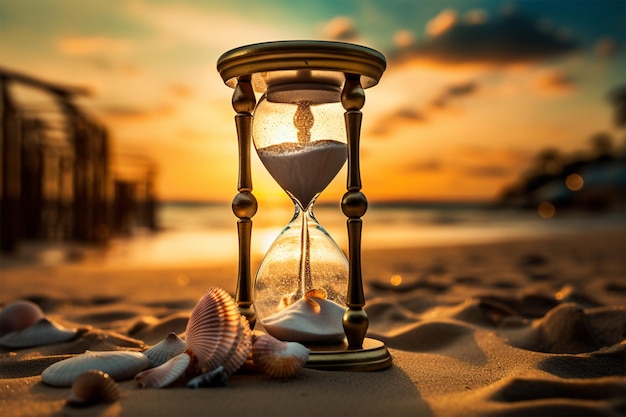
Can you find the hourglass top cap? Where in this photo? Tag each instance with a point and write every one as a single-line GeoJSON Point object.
{"type": "Point", "coordinates": [301, 61]}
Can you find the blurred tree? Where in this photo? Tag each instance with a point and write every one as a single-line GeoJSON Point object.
{"type": "Point", "coordinates": [548, 161]}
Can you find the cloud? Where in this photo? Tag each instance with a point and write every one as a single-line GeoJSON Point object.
{"type": "Point", "coordinates": [414, 114]}
{"type": "Point", "coordinates": [403, 39]}
{"type": "Point", "coordinates": [428, 165]}
{"type": "Point", "coordinates": [206, 27]}
{"type": "Point", "coordinates": [340, 28]}
{"type": "Point", "coordinates": [93, 45]}
{"type": "Point", "coordinates": [488, 170]}
{"type": "Point", "coordinates": [606, 47]}
{"type": "Point", "coordinates": [471, 161]}
{"type": "Point", "coordinates": [554, 82]}
{"type": "Point", "coordinates": [127, 113]}
{"type": "Point", "coordinates": [488, 162]}
{"type": "Point", "coordinates": [509, 38]}
{"type": "Point", "coordinates": [442, 22]}
{"type": "Point", "coordinates": [454, 91]}
{"type": "Point", "coordinates": [181, 90]}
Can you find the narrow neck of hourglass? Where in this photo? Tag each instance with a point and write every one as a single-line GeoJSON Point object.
{"type": "Point", "coordinates": [299, 206]}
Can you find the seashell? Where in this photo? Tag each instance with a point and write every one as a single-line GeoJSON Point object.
{"type": "Point", "coordinates": [165, 350]}
{"type": "Point", "coordinates": [93, 387]}
{"type": "Point", "coordinates": [119, 365]}
{"type": "Point", "coordinates": [240, 348]}
{"type": "Point", "coordinates": [278, 359]}
{"type": "Point", "coordinates": [164, 374]}
{"type": "Point", "coordinates": [218, 377]}
{"type": "Point", "coordinates": [19, 315]}
{"type": "Point", "coordinates": [213, 328]}
{"type": "Point", "coordinates": [316, 293]}
{"type": "Point", "coordinates": [43, 332]}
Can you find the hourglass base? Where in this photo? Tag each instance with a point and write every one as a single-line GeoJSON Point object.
{"type": "Point", "coordinates": [373, 356]}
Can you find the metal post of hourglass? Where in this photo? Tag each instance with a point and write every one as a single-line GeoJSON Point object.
{"type": "Point", "coordinates": [354, 205]}
{"type": "Point", "coordinates": [244, 204]}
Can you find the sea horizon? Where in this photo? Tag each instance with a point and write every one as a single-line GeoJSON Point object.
{"type": "Point", "coordinates": [205, 233]}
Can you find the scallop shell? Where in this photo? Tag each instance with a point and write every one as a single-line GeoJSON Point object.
{"type": "Point", "coordinates": [164, 374]}
{"type": "Point", "coordinates": [213, 328]}
{"type": "Point", "coordinates": [240, 348]}
{"type": "Point", "coordinates": [119, 365]}
{"type": "Point", "coordinates": [93, 387]}
{"type": "Point", "coordinates": [43, 332]}
{"type": "Point", "coordinates": [278, 359]}
{"type": "Point", "coordinates": [19, 315]}
{"type": "Point", "coordinates": [165, 350]}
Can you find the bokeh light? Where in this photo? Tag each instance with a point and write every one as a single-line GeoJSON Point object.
{"type": "Point", "coordinates": [395, 280]}
{"type": "Point", "coordinates": [546, 210]}
{"type": "Point", "coordinates": [574, 182]}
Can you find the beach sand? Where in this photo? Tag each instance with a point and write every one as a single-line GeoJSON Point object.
{"type": "Point", "coordinates": [527, 327]}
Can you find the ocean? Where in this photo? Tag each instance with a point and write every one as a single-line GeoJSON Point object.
{"type": "Point", "coordinates": [206, 233]}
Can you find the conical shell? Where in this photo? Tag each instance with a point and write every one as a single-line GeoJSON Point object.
{"type": "Point", "coordinates": [93, 387]}
{"type": "Point", "coordinates": [164, 374]}
{"type": "Point", "coordinates": [43, 332]}
{"type": "Point", "coordinates": [278, 359]}
{"type": "Point", "coordinates": [165, 350]}
{"type": "Point", "coordinates": [119, 365]}
{"type": "Point", "coordinates": [19, 315]}
{"type": "Point", "coordinates": [240, 349]}
{"type": "Point", "coordinates": [213, 328]}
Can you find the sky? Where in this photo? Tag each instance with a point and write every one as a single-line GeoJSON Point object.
{"type": "Point", "coordinates": [472, 91]}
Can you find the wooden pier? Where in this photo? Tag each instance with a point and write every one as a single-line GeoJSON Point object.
{"type": "Point", "coordinates": [58, 175]}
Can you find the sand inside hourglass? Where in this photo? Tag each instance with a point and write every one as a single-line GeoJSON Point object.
{"type": "Point", "coordinates": [304, 169]}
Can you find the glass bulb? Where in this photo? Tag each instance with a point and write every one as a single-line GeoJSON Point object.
{"type": "Point", "coordinates": [299, 291]}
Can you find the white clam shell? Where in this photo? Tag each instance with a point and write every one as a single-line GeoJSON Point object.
{"type": "Point", "coordinates": [43, 332]}
{"type": "Point", "coordinates": [164, 374]}
{"type": "Point", "coordinates": [92, 387]}
{"type": "Point", "coordinates": [278, 359]}
{"type": "Point", "coordinates": [213, 328]}
{"type": "Point", "coordinates": [240, 348]}
{"type": "Point", "coordinates": [165, 350]}
{"type": "Point", "coordinates": [119, 365]}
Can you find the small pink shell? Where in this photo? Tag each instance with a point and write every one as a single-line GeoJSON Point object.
{"type": "Point", "coordinates": [92, 387]}
{"type": "Point", "coordinates": [19, 315]}
{"type": "Point", "coordinates": [213, 328]}
{"type": "Point", "coordinates": [165, 374]}
{"type": "Point", "coordinates": [278, 359]}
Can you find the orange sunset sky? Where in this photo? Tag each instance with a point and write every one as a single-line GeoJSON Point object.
{"type": "Point", "coordinates": [472, 91]}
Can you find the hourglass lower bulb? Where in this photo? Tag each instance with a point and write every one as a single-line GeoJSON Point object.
{"type": "Point", "coordinates": [299, 290]}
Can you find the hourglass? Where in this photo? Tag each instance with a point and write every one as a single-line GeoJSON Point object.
{"type": "Point", "coordinates": [305, 126]}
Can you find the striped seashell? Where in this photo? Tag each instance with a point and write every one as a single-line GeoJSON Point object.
{"type": "Point", "coordinates": [43, 332]}
{"type": "Point", "coordinates": [213, 328]}
{"type": "Point", "coordinates": [278, 359]}
{"type": "Point", "coordinates": [240, 348]}
{"type": "Point", "coordinates": [164, 374]}
{"type": "Point", "coordinates": [165, 350]}
{"type": "Point", "coordinates": [19, 315]}
{"type": "Point", "coordinates": [93, 387]}
{"type": "Point", "coordinates": [119, 365]}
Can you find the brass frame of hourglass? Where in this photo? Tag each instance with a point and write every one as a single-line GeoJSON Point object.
{"type": "Point", "coordinates": [246, 70]}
